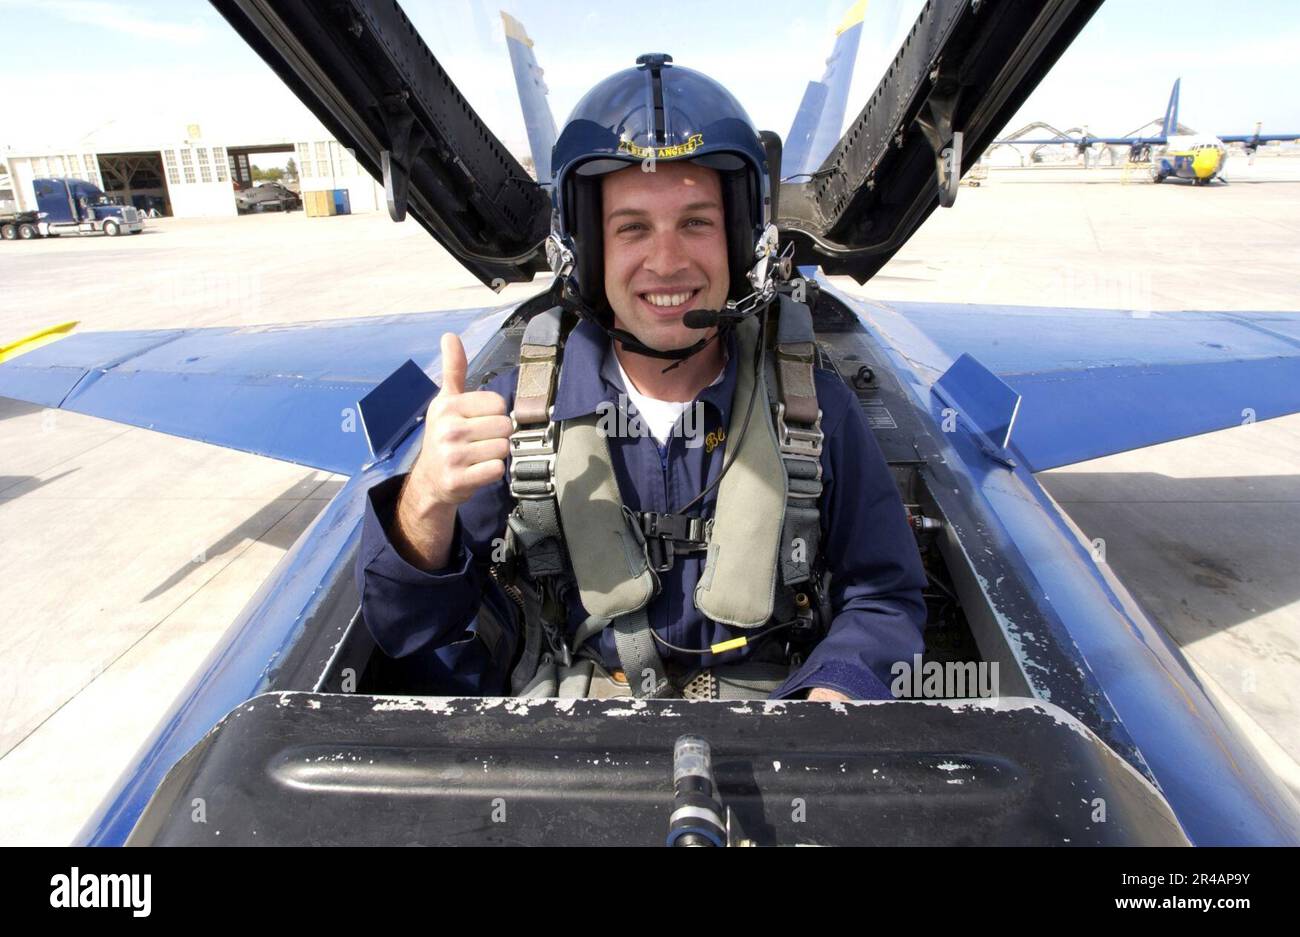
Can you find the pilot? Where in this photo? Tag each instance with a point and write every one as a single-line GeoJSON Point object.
{"type": "Point", "coordinates": [652, 504]}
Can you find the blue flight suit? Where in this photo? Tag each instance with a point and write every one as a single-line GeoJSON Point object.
{"type": "Point", "coordinates": [428, 620]}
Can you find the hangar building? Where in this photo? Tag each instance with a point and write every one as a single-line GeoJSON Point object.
{"type": "Point", "coordinates": [196, 178]}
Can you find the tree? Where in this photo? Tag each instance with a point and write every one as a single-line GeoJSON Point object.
{"type": "Point", "coordinates": [291, 170]}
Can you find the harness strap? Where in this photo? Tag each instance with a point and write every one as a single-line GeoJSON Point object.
{"type": "Point", "coordinates": [537, 368]}
{"type": "Point", "coordinates": [523, 677]}
{"type": "Point", "coordinates": [799, 439]}
{"type": "Point", "coordinates": [647, 677]}
{"type": "Point", "coordinates": [536, 529]}
{"type": "Point", "coordinates": [587, 630]}
{"type": "Point", "coordinates": [535, 522]}
{"type": "Point", "coordinates": [533, 528]}
{"type": "Point", "coordinates": [796, 352]}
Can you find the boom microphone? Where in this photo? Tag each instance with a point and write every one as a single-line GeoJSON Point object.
{"type": "Point", "coordinates": [701, 318]}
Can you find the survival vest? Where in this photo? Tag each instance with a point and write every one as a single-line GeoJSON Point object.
{"type": "Point", "coordinates": [569, 524]}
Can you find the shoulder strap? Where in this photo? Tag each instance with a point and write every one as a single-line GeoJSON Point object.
{"type": "Point", "coordinates": [535, 521]}
{"type": "Point", "coordinates": [798, 420]}
{"type": "Point", "coordinates": [538, 368]}
{"type": "Point", "coordinates": [533, 528]}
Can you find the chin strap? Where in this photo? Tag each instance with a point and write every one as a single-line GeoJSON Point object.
{"type": "Point", "coordinates": [630, 342]}
{"type": "Point", "coordinates": [633, 344]}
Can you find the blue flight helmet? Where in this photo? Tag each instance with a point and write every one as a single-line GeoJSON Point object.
{"type": "Point", "coordinates": [661, 112]}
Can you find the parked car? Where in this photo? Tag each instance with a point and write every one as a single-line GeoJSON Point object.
{"type": "Point", "coordinates": [269, 196]}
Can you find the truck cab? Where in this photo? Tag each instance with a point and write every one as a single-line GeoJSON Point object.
{"type": "Point", "coordinates": [67, 206]}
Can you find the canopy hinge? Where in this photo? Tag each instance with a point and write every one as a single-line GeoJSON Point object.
{"type": "Point", "coordinates": [935, 121]}
{"type": "Point", "coordinates": [406, 139]}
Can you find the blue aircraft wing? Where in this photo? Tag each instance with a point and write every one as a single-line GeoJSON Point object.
{"type": "Point", "coordinates": [1258, 138]}
{"type": "Point", "coordinates": [1086, 141]}
{"type": "Point", "coordinates": [1093, 382]}
{"type": "Point", "coordinates": [1130, 141]}
{"type": "Point", "coordinates": [1250, 138]}
{"type": "Point", "coordinates": [290, 392]}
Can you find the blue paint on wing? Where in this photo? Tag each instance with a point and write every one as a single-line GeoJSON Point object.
{"type": "Point", "coordinates": [289, 392]}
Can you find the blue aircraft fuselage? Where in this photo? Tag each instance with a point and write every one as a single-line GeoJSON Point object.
{"type": "Point", "coordinates": [1076, 638]}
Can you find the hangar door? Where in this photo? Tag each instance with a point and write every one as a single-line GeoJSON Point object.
{"type": "Point", "coordinates": [136, 179]}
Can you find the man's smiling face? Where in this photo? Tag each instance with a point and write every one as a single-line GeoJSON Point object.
{"type": "Point", "coordinates": [665, 250]}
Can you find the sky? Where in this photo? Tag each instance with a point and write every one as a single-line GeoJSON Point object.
{"type": "Point", "coordinates": [172, 64]}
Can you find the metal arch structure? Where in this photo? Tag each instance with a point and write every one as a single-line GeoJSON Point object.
{"type": "Point", "coordinates": [1011, 139]}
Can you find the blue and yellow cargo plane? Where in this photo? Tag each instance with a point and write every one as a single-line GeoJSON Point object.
{"type": "Point", "coordinates": [1198, 157]}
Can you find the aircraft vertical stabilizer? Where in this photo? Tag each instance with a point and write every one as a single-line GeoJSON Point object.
{"type": "Point", "coordinates": [538, 120]}
{"type": "Point", "coordinates": [816, 126]}
{"type": "Point", "coordinates": [1170, 126]}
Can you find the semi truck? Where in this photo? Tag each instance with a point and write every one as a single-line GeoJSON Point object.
{"type": "Point", "coordinates": [65, 206]}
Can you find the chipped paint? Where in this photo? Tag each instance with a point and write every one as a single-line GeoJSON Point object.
{"type": "Point", "coordinates": [433, 704]}
{"type": "Point", "coordinates": [517, 706]}
{"type": "Point", "coordinates": [1015, 637]}
{"type": "Point", "coordinates": [635, 708]}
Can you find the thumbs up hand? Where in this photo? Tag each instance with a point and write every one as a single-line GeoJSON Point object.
{"type": "Point", "coordinates": [466, 441]}
{"type": "Point", "coordinates": [466, 437]}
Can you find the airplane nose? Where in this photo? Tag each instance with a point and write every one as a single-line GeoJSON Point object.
{"type": "Point", "coordinates": [1207, 162]}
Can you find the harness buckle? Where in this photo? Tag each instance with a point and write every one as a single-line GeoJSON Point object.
{"type": "Point", "coordinates": [669, 534]}
{"type": "Point", "coordinates": [799, 443]}
{"type": "Point", "coordinates": [528, 447]}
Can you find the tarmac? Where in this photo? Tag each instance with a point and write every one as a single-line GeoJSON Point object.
{"type": "Point", "coordinates": [126, 554]}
